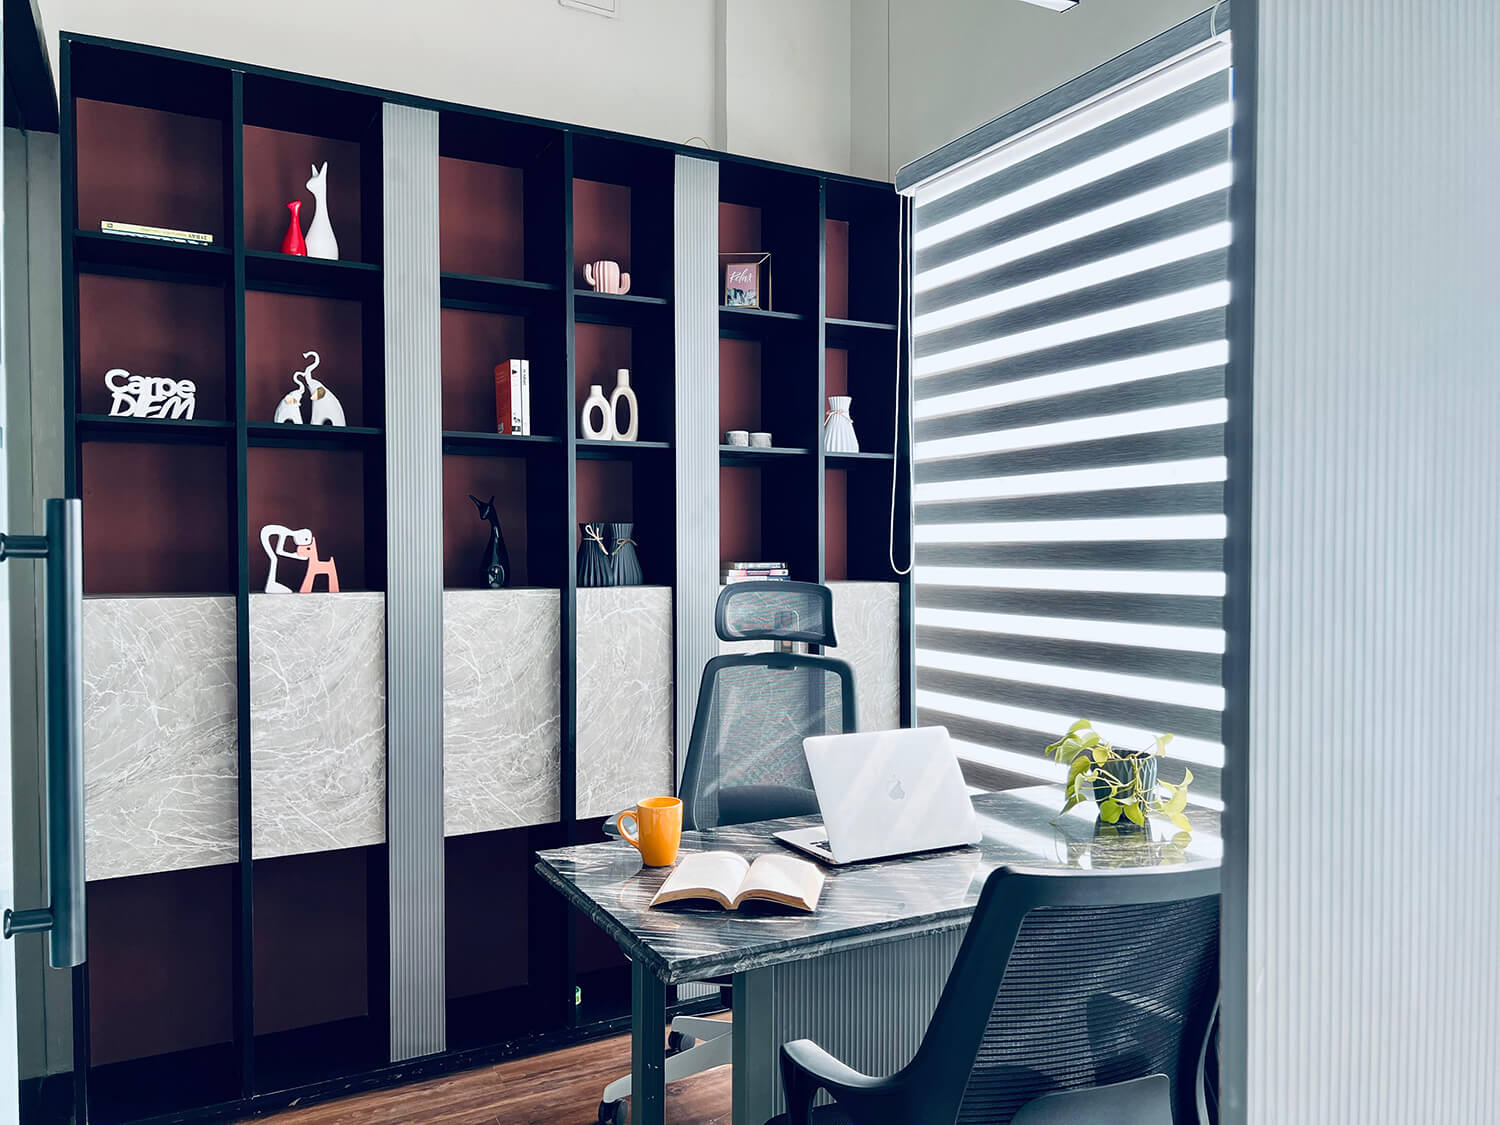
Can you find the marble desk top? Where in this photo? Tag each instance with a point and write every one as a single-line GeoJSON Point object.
{"type": "Point", "coordinates": [861, 904]}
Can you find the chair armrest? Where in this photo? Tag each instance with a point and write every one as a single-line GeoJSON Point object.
{"type": "Point", "coordinates": [806, 1069]}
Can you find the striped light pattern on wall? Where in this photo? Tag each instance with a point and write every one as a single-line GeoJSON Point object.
{"type": "Point", "coordinates": [1068, 323]}
{"type": "Point", "coordinates": [1372, 904]}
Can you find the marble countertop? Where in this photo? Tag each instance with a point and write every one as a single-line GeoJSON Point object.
{"type": "Point", "coordinates": [861, 904]}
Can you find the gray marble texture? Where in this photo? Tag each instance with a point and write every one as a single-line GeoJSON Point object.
{"type": "Point", "coordinates": [159, 734]}
{"type": "Point", "coordinates": [867, 621]}
{"type": "Point", "coordinates": [501, 748]}
{"type": "Point", "coordinates": [317, 721]}
{"type": "Point", "coordinates": [625, 702]}
{"type": "Point", "coordinates": [926, 892]}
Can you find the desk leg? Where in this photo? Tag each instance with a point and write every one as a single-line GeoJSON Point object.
{"type": "Point", "coordinates": [756, 1049]}
{"type": "Point", "coordinates": [648, 1045]}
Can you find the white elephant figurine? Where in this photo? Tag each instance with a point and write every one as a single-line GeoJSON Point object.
{"type": "Point", "coordinates": [289, 409]}
{"type": "Point", "coordinates": [326, 410]}
{"type": "Point", "coordinates": [605, 277]}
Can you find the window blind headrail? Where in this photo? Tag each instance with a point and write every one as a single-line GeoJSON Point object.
{"type": "Point", "coordinates": [1145, 609]}
{"type": "Point", "coordinates": [1137, 449]}
{"type": "Point", "coordinates": [1175, 388]}
{"type": "Point", "coordinates": [1192, 722]}
{"type": "Point", "coordinates": [1190, 667]}
{"type": "Point", "coordinates": [1154, 113]}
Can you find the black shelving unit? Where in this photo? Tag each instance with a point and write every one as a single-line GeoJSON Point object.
{"type": "Point", "coordinates": [523, 206]}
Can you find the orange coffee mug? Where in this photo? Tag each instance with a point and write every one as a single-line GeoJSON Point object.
{"type": "Point", "coordinates": [658, 830]}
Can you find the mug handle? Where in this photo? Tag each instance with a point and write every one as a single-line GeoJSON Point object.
{"type": "Point", "coordinates": [633, 841]}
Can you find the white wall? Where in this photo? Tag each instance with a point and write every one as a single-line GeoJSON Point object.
{"type": "Point", "coordinates": [777, 87]}
{"type": "Point", "coordinates": [1373, 896]}
{"type": "Point", "coordinates": [955, 64]}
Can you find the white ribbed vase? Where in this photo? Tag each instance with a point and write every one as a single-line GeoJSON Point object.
{"type": "Point", "coordinates": [838, 428]}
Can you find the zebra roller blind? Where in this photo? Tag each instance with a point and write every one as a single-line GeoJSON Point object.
{"type": "Point", "coordinates": [1069, 290]}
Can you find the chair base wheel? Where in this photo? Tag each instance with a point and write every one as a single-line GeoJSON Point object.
{"type": "Point", "coordinates": [679, 1041]}
{"type": "Point", "coordinates": [612, 1113]}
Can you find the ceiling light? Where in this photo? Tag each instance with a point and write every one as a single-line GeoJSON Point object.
{"type": "Point", "coordinates": [1055, 5]}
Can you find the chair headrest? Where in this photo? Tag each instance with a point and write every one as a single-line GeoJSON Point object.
{"type": "Point", "coordinates": [776, 611]}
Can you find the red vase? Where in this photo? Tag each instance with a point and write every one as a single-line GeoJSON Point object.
{"type": "Point", "coordinates": [292, 242]}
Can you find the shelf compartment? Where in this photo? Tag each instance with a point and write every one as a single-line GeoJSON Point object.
{"type": "Point", "coordinates": [473, 345]}
{"type": "Point", "coordinates": [122, 256]}
{"type": "Point", "coordinates": [152, 328]}
{"type": "Point", "coordinates": [856, 521]}
{"type": "Point", "coordinates": [866, 373]}
{"type": "Point", "coordinates": [151, 167]}
{"type": "Point", "coordinates": [860, 239]}
{"type": "Point", "coordinates": [771, 386]}
{"type": "Point", "coordinates": [156, 518]}
{"type": "Point", "coordinates": [764, 210]}
{"type": "Point", "coordinates": [768, 511]}
{"type": "Point", "coordinates": [281, 327]}
{"type": "Point", "coordinates": [639, 490]}
{"type": "Point", "coordinates": [276, 272]}
{"type": "Point", "coordinates": [332, 493]}
{"type": "Point", "coordinates": [318, 981]}
{"type": "Point", "coordinates": [529, 502]}
{"type": "Point", "coordinates": [600, 350]}
{"type": "Point", "coordinates": [500, 191]}
{"type": "Point", "coordinates": [622, 211]}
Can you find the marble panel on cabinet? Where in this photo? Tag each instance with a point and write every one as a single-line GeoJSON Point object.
{"type": "Point", "coordinates": [317, 721]}
{"type": "Point", "coordinates": [159, 731]}
{"type": "Point", "coordinates": [625, 652]}
{"type": "Point", "coordinates": [501, 747]}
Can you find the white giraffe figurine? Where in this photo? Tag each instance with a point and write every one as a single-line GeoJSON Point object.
{"type": "Point", "coordinates": [320, 240]}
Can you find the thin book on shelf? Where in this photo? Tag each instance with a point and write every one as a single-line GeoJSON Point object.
{"type": "Point", "coordinates": [729, 880]}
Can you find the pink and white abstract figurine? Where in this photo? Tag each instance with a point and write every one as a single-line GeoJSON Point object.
{"type": "Point", "coordinates": [273, 540]}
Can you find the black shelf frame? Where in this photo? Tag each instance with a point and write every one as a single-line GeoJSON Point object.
{"type": "Point", "coordinates": [796, 204]}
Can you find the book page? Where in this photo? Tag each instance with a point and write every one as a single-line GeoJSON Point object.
{"type": "Point", "coordinates": [715, 876]}
{"type": "Point", "coordinates": [780, 878]}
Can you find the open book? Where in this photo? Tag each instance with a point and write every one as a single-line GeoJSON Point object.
{"type": "Point", "coordinates": [726, 879]}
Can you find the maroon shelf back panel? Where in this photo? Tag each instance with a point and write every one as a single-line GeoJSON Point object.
{"type": "Point", "coordinates": [599, 350]}
{"type": "Point", "coordinates": [161, 977]}
{"type": "Point", "coordinates": [486, 880]}
{"type": "Point", "coordinates": [836, 525]}
{"type": "Point", "coordinates": [310, 939]}
{"type": "Point", "coordinates": [739, 385]}
{"type": "Point", "coordinates": [473, 344]}
{"type": "Point", "coordinates": [279, 327]}
{"type": "Point", "coordinates": [155, 519]}
{"type": "Point", "coordinates": [835, 373]}
{"type": "Point", "coordinates": [605, 490]}
{"type": "Point", "coordinates": [154, 328]}
{"type": "Point", "coordinates": [149, 167]}
{"type": "Point", "coordinates": [739, 514]}
{"type": "Point", "coordinates": [739, 229]}
{"type": "Point", "coordinates": [277, 167]}
{"type": "Point", "coordinates": [601, 227]}
{"type": "Point", "coordinates": [319, 489]}
{"type": "Point", "coordinates": [482, 218]}
{"type": "Point", "coordinates": [465, 536]}
{"type": "Point", "coordinates": [836, 238]}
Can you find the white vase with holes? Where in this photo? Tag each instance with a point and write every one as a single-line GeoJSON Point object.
{"type": "Point", "coordinates": [838, 428]}
{"type": "Point", "coordinates": [623, 393]}
{"type": "Point", "coordinates": [597, 421]}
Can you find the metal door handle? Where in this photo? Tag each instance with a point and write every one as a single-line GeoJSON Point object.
{"type": "Point", "coordinates": [62, 550]}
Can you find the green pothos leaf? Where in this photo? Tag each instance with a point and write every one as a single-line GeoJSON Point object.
{"type": "Point", "coordinates": [1135, 814]}
{"type": "Point", "coordinates": [1109, 811]}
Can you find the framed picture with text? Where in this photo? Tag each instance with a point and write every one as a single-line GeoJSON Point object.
{"type": "Point", "coordinates": [747, 280]}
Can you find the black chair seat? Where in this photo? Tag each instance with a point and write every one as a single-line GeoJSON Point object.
{"type": "Point", "coordinates": [821, 1115]}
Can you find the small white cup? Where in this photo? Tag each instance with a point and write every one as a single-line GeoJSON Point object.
{"type": "Point", "coordinates": [737, 437]}
{"type": "Point", "coordinates": [760, 440]}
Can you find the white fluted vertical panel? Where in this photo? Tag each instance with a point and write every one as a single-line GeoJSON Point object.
{"type": "Point", "coordinates": [414, 581]}
{"type": "Point", "coordinates": [696, 316]}
{"type": "Point", "coordinates": [1373, 897]}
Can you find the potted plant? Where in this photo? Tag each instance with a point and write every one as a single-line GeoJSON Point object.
{"type": "Point", "coordinates": [1122, 782]}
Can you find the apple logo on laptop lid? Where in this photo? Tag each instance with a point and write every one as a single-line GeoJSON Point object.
{"type": "Point", "coordinates": [897, 793]}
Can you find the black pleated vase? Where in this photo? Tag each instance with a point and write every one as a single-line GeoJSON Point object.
{"type": "Point", "coordinates": [596, 566]}
{"type": "Point", "coordinates": [622, 550]}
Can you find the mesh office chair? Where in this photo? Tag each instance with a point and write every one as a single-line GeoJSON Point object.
{"type": "Point", "coordinates": [1076, 997]}
{"type": "Point", "coordinates": [744, 758]}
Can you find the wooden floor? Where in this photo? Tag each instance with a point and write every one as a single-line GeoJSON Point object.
{"type": "Point", "coordinates": [562, 1088]}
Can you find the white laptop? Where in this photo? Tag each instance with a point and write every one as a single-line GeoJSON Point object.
{"type": "Point", "coordinates": [885, 793]}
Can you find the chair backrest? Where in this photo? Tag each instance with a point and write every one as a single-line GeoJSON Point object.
{"type": "Point", "coordinates": [744, 759]}
{"type": "Point", "coordinates": [1069, 980]}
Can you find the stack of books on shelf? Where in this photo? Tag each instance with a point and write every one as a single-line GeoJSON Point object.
{"type": "Point", "coordinates": [754, 572]}
{"type": "Point", "coordinates": [513, 397]}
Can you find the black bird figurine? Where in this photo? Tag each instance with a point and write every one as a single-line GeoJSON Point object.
{"type": "Point", "coordinates": [495, 566]}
